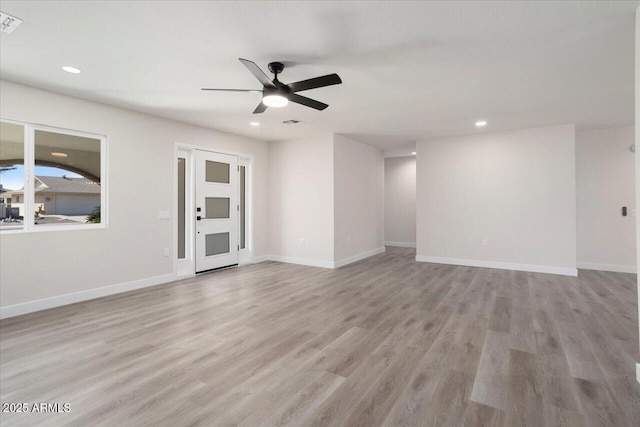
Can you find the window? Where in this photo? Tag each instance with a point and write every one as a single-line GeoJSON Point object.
{"type": "Point", "coordinates": [51, 178]}
{"type": "Point", "coordinates": [182, 199]}
{"type": "Point", "coordinates": [12, 137]}
{"type": "Point", "coordinates": [243, 206]}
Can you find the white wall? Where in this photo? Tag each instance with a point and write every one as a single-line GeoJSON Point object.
{"type": "Point", "coordinates": [326, 201]}
{"type": "Point", "coordinates": [403, 150]}
{"type": "Point", "coordinates": [515, 189]}
{"type": "Point", "coordinates": [400, 201]}
{"type": "Point", "coordinates": [47, 264]}
{"type": "Point", "coordinates": [358, 199]}
{"type": "Point", "coordinates": [605, 179]}
{"type": "Point", "coordinates": [301, 201]}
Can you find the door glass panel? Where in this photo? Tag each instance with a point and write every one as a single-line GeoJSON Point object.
{"type": "Point", "coordinates": [216, 207]}
{"type": "Point", "coordinates": [216, 172]}
{"type": "Point", "coordinates": [242, 206]}
{"type": "Point", "coordinates": [181, 207]}
{"type": "Point", "coordinates": [216, 244]}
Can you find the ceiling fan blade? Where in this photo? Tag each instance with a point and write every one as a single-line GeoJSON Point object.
{"type": "Point", "coordinates": [233, 90]}
{"type": "Point", "coordinates": [256, 71]}
{"type": "Point", "coordinates": [328, 80]}
{"type": "Point", "coordinates": [308, 102]}
{"type": "Point", "coordinates": [260, 108]}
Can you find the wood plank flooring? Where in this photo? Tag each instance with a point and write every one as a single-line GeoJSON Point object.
{"type": "Point", "coordinates": [382, 342]}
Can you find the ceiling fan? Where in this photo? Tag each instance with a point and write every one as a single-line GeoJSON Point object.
{"type": "Point", "coordinates": [277, 94]}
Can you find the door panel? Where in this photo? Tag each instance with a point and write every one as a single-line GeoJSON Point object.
{"type": "Point", "coordinates": [217, 207]}
{"type": "Point", "coordinates": [216, 210]}
{"type": "Point", "coordinates": [216, 243]}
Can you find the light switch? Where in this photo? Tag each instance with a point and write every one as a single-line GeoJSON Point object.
{"type": "Point", "coordinates": [163, 215]}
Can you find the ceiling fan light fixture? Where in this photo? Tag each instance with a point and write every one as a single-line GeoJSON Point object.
{"type": "Point", "coordinates": [277, 94]}
{"type": "Point", "coordinates": [275, 101]}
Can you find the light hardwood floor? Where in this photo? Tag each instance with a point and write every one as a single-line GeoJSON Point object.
{"type": "Point", "coordinates": [385, 341]}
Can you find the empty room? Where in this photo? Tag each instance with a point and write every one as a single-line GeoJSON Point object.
{"type": "Point", "coordinates": [317, 213]}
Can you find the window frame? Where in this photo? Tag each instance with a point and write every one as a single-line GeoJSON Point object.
{"type": "Point", "coordinates": [28, 225]}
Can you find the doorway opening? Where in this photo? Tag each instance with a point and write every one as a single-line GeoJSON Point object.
{"type": "Point", "coordinates": [400, 201]}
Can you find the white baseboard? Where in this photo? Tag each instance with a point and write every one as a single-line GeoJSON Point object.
{"type": "Point", "coordinates": [260, 258]}
{"type": "Point", "coordinates": [608, 267]}
{"type": "Point", "coordinates": [319, 263]}
{"type": "Point", "coordinates": [302, 261]}
{"type": "Point", "coordinates": [58, 301]}
{"type": "Point", "coordinates": [401, 244]}
{"type": "Point", "coordinates": [358, 257]}
{"type": "Point", "coordinates": [564, 271]}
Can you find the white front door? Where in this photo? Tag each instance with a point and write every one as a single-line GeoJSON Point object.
{"type": "Point", "coordinates": [216, 210]}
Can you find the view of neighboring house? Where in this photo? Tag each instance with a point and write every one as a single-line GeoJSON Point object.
{"type": "Point", "coordinates": [3, 202]}
{"type": "Point", "coordinates": [59, 196]}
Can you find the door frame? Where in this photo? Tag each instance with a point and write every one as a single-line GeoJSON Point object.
{"type": "Point", "coordinates": [245, 256]}
{"type": "Point", "coordinates": [186, 267]}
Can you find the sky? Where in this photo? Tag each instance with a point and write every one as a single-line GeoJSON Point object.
{"type": "Point", "coordinates": [14, 179]}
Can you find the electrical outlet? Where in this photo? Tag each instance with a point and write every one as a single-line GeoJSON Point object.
{"type": "Point", "coordinates": [166, 252]}
{"type": "Point", "coordinates": [485, 242]}
{"type": "Point", "coordinates": [302, 240]}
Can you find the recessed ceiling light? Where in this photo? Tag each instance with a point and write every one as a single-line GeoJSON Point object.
{"type": "Point", "coordinates": [481, 123]}
{"type": "Point", "coordinates": [72, 70]}
{"type": "Point", "coordinates": [56, 154]}
{"type": "Point", "coordinates": [413, 153]}
{"type": "Point", "coordinates": [254, 124]}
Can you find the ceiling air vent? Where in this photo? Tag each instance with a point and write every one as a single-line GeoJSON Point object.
{"type": "Point", "coordinates": [291, 122]}
{"type": "Point", "coordinates": [8, 23]}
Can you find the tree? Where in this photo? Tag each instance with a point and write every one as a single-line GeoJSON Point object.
{"type": "Point", "coordinates": [94, 217]}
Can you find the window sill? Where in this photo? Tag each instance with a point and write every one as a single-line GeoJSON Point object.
{"type": "Point", "coordinates": [47, 228]}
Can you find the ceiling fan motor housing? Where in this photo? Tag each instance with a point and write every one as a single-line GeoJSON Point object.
{"type": "Point", "coordinates": [276, 67]}
{"type": "Point", "coordinates": [278, 91]}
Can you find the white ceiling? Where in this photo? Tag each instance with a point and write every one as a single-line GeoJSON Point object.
{"type": "Point", "coordinates": [411, 70]}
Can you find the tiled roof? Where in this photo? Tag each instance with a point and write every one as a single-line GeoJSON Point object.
{"type": "Point", "coordinates": [55, 184]}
